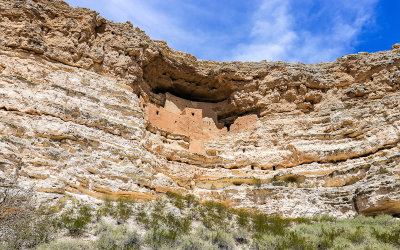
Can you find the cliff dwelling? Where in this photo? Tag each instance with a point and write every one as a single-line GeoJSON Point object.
{"type": "Point", "coordinates": [92, 109]}
{"type": "Point", "coordinates": [196, 120]}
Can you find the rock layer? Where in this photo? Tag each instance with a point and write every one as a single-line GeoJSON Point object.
{"type": "Point", "coordinates": [74, 88]}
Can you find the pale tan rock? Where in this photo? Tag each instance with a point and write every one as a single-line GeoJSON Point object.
{"type": "Point", "coordinates": [285, 138]}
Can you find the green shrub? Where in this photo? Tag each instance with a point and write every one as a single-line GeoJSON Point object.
{"type": "Point", "coordinates": [343, 243]}
{"type": "Point", "coordinates": [379, 245]}
{"type": "Point", "coordinates": [159, 205]}
{"type": "Point", "coordinates": [151, 217]}
{"type": "Point", "coordinates": [161, 237]}
{"type": "Point", "coordinates": [157, 219]}
{"type": "Point", "coordinates": [29, 232]}
{"type": "Point", "coordinates": [260, 224]}
{"type": "Point", "coordinates": [278, 224]}
{"type": "Point", "coordinates": [263, 223]}
{"type": "Point", "coordinates": [71, 244]}
{"type": "Point", "coordinates": [357, 236]}
{"type": "Point", "coordinates": [106, 209]}
{"type": "Point", "coordinates": [302, 220]}
{"type": "Point", "coordinates": [324, 218]}
{"type": "Point", "coordinates": [76, 219]}
{"type": "Point", "coordinates": [241, 237]}
{"type": "Point", "coordinates": [174, 196]}
{"type": "Point", "coordinates": [294, 240]}
{"type": "Point", "coordinates": [214, 215]}
{"type": "Point", "coordinates": [265, 241]}
{"type": "Point", "coordinates": [390, 237]}
{"type": "Point", "coordinates": [223, 240]}
{"type": "Point", "coordinates": [167, 229]}
{"type": "Point", "coordinates": [383, 220]}
{"type": "Point", "coordinates": [218, 207]}
{"type": "Point", "coordinates": [328, 236]}
{"type": "Point", "coordinates": [191, 200]}
{"type": "Point", "coordinates": [43, 228]}
{"type": "Point", "coordinates": [21, 224]}
{"type": "Point", "coordinates": [243, 217]}
{"type": "Point", "coordinates": [192, 242]}
{"type": "Point", "coordinates": [177, 199]}
{"type": "Point", "coordinates": [180, 225]}
{"type": "Point", "coordinates": [123, 210]}
{"type": "Point", "coordinates": [222, 228]}
{"type": "Point", "coordinates": [204, 233]}
{"type": "Point", "coordinates": [141, 216]}
{"type": "Point", "coordinates": [116, 237]}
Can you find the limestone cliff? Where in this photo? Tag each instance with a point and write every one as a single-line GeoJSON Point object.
{"type": "Point", "coordinates": [76, 92]}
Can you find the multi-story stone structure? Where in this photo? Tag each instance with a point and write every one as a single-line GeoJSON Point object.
{"type": "Point", "coordinates": [196, 120]}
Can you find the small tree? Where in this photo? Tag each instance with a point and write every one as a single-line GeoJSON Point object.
{"type": "Point", "coordinates": [76, 219]}
{"type": "Point", "coordinates": [21, 224]}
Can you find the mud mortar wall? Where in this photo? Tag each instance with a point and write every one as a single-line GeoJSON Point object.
{"type": "Point", "coordinates": [196, 120]}
{"type": "Point", "coordinates": [169, 121]}
{"type": "Point", "coordinates": [210, 110]}
{"type": "Point", "coordinates": [189, 123]}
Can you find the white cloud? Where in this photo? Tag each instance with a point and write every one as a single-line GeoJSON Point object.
{"type": "Point", "coordinates": [271, 33]}
{"type": "Point", "coordinates": [162, 22]}
{"type": "Point", "coordinates": [147, 16]}
{"type": "Point", "coordinates": [155, 17]}
{"type": "Point", "coordinates": [289, 30]}
{"type": "Point", "coordinates": [275, 35]}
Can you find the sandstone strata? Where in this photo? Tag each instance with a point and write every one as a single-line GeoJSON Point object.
{"type": "Point", "coordinates": [303, 139]}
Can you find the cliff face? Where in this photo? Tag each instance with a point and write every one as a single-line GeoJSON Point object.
{"type": "Point", "coordinates": [294, 139]}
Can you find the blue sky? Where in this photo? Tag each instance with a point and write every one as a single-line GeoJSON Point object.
{"type": "Point", "coordinates": [308, 31]}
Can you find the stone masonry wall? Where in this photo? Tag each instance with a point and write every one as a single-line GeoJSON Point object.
{"type": "Point", "coordinates": [179, 116]}
{"type": "Point", "coordinates": [166, 120]}
{"type": "Point", "coordinates": [210, 110]}
{"type": "Point", "coordinates": [189, 124]}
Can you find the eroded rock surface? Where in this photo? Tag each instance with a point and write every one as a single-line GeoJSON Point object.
{"type": "Point", "coordinates": [288, 138]}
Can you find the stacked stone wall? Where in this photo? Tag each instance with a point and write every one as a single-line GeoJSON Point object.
{"type": "Point", "coordinates": [184, 117]}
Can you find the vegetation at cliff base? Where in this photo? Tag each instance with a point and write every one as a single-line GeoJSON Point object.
{"type": "Point", "coordinates": [179, 222]}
